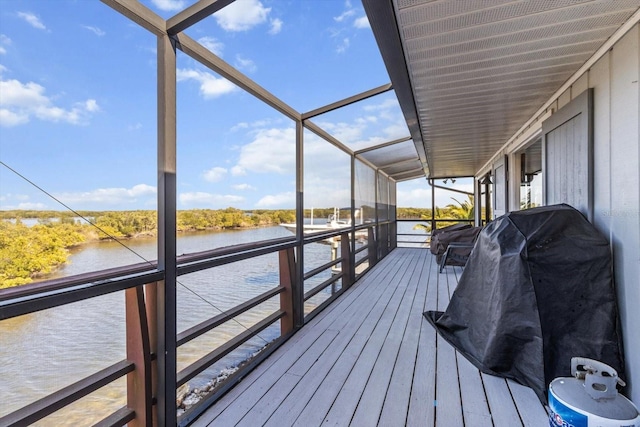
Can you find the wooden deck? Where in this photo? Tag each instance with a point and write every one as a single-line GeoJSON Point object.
{"type": "Point", "coordinates": [371, 359]}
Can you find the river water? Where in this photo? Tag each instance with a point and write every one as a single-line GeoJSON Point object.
{"type": "Point", "coordinates": [45, 351]}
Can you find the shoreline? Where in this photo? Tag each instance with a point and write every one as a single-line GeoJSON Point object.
{"type": "Point", "coordinates": [94, 239]}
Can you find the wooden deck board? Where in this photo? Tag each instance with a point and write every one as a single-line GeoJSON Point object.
{"type": "Point", "coordinates": [372, 399]}
{"type": "Point", "coordinates": [447, 379]}
{"type": "Point", "coordinates": [349, 396]}
{"type": "Point", "coordinates": [372, 359]}
{"type": "Point", "coordinates": [326, 394]}
{"type": "Point", "coordinates": [422, 410]}
{"type": "Point", "coordinates": [531, 415]}
{"type": "Point", "coordinates": [396, 403]}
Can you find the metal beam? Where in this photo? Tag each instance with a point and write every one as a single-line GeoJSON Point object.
{"type": "Point", "coordinates": [402, 162]}
{"type": "Point", "coordinates": [297, 289]}
{"type": "Point", "coordinates": [194, 14]}
{"type": "Point", "coordinates": [216, 64]}
{"type": "Point", "coordinates": [383, 145]}
{"type": "Point", "coordinates": [348, 101]}
{"type": "Point", "coordinates": [402, 174]}
{"type": "Point", "coordinates": [401, 177]}
{"type": "Point", "coordinates": [139, 14]}
{"type": "Point", "coordinates": [166, 297]}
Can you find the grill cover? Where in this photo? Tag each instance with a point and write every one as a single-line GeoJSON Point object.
{"type": "Point", "coordinates": [537, 290]}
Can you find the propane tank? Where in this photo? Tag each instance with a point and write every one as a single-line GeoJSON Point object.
{"type": "Point", "coordinates": [590, 398]}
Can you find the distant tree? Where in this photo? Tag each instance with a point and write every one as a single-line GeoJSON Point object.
{"type": "Point", "coordinates": [26, 252]}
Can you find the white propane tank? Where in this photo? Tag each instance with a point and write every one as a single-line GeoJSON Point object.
{"type": "Point", "coordinates": [590, 398]}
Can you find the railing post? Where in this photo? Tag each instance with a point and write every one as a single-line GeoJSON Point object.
{"type": "Point", "coordinates": [394, 234]}
{"type": "Point", "coordinates": [151, 299]}
{"type": "Point", "coordinates": [348, 270]}
{"type": "Point", "coordinates": [383, 240]}
{"type": "Point", "coordinates": [373, 246]}
{"type": "Point", "coordinates": [139, 397]}
{"type": "Point", "coordinates": [287, 263]}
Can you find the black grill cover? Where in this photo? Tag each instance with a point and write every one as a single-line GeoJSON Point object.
{"type": "Point", "coordinates": [537, 290]}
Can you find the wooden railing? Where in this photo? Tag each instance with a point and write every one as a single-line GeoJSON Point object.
{"type": "Point", "coordinates": [139, 283]}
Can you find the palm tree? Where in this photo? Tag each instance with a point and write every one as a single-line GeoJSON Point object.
{"type": "Point", "coordinates": [464, 210]}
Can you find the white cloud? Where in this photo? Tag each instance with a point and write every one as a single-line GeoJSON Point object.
{"type": "Point", "coordinates": [30, 206]}
{"type": "Point", "coordinates": [4, 41]}
{"type": "Point", "coordinates": [169, 5]}
{"type": "Point", "coordinates": [242, 15]}
{"type": "Point", "coordinates": [384, 105]}
{"type": "Point", "coordinates": [276, 26]}
{"type": "Point", "coordinates": [9, 118]}
{"type": "Point", "coordinates": [243, 187]}
{"type": "Point", "coordinates": [32, 20]}
{"type": "Point", "coordinates": [416, 193]}
{"type": "Point", "coordinates": [382, 122]}
{"type": "Point", "coordinates": [213, 44]}
{"type": "Point", "coordinates": [91, 105]}
{"type": "Point", "coordinates": [245, 64]}
{"type": "Point", "coordinates": [238, 171]}
{"type": "Point", "coordinates": [282, 199]}
{"type": "Point", "coordinates": [343, 31]}
{"type": "Point", "coordinates": [272, 150]}
{"type": "Point", "coordinates": [20, 101]}
{"type": "Point", "coordinates": [214, 174]}
{"type": "Point", "coordinates": [134, 126]}
{"type": "Point", "coordinates": [255, 124]}
{"type": "Point", "coordinates": [343, 46]}
{"type": "Point", "coordinates": [95, 30]}
{"type": "Point", "coordinates": [237, 127]}
{"type": "Point", "coordinates": [413, 198]}
{"type": "Point", "coordinates": [109, 196]}
{"type": "Point", "coordinates": [348, 133]}
{"type": "Point", "coordinates": [346, 14]}
{"type": "Point", "coordinates": [362, 22]}
{"type": "Point", "coordinates": [210, 86]}
{"type": "Point", "coordinates": [19, 201]}
{"type": "Point", "coordinates": [199, 198]}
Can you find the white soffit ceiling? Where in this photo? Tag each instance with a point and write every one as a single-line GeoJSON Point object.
{"type": "Point", "coordinates": [478, 69]}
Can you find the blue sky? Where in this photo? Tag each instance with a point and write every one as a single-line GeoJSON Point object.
{"type": "Point", "coordinates": [78, 114]}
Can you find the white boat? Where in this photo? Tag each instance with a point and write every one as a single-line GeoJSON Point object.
{"type": "Point", "coordinates": [333, 222]}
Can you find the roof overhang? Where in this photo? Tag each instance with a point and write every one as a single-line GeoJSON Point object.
{"type": "Point", "coordinates": [469, 74]}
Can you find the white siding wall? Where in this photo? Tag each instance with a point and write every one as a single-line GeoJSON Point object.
{"type": "Point", "coordinates": [615, 79]}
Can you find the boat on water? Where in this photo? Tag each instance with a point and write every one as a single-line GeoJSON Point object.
{"type": "Point", "coordinates": [333, 222]}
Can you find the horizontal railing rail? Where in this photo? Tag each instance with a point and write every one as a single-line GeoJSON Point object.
{"type": "Point", "coordinates": [203, 363]}
{"type": "Point", "coordinates": [361, 261]}
{"type": "Point", "coordinates": [212, 323]}
{"type": "Point", "coordinates": [78, 290]}
{"type": "Point", "coordinates": [320, 269]}
{"type": "Point", "coordinates": [362, 249]}
{"type": "Point", "coordinates": [215, 258]}
{"type": "Point", "coordinates": [324, 235]}
{"type": "Point", "coordinates": [79, 279]}
{"type": "Point", "coordinates": [316, 289]}
{"type": "Point", "coordinates": [49, 404]}
{"type": "Point", "coordinates": [119, 418]}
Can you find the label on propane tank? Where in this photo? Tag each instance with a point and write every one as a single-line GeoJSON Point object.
{"type": "Point", "coordinates": [562, 416]}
